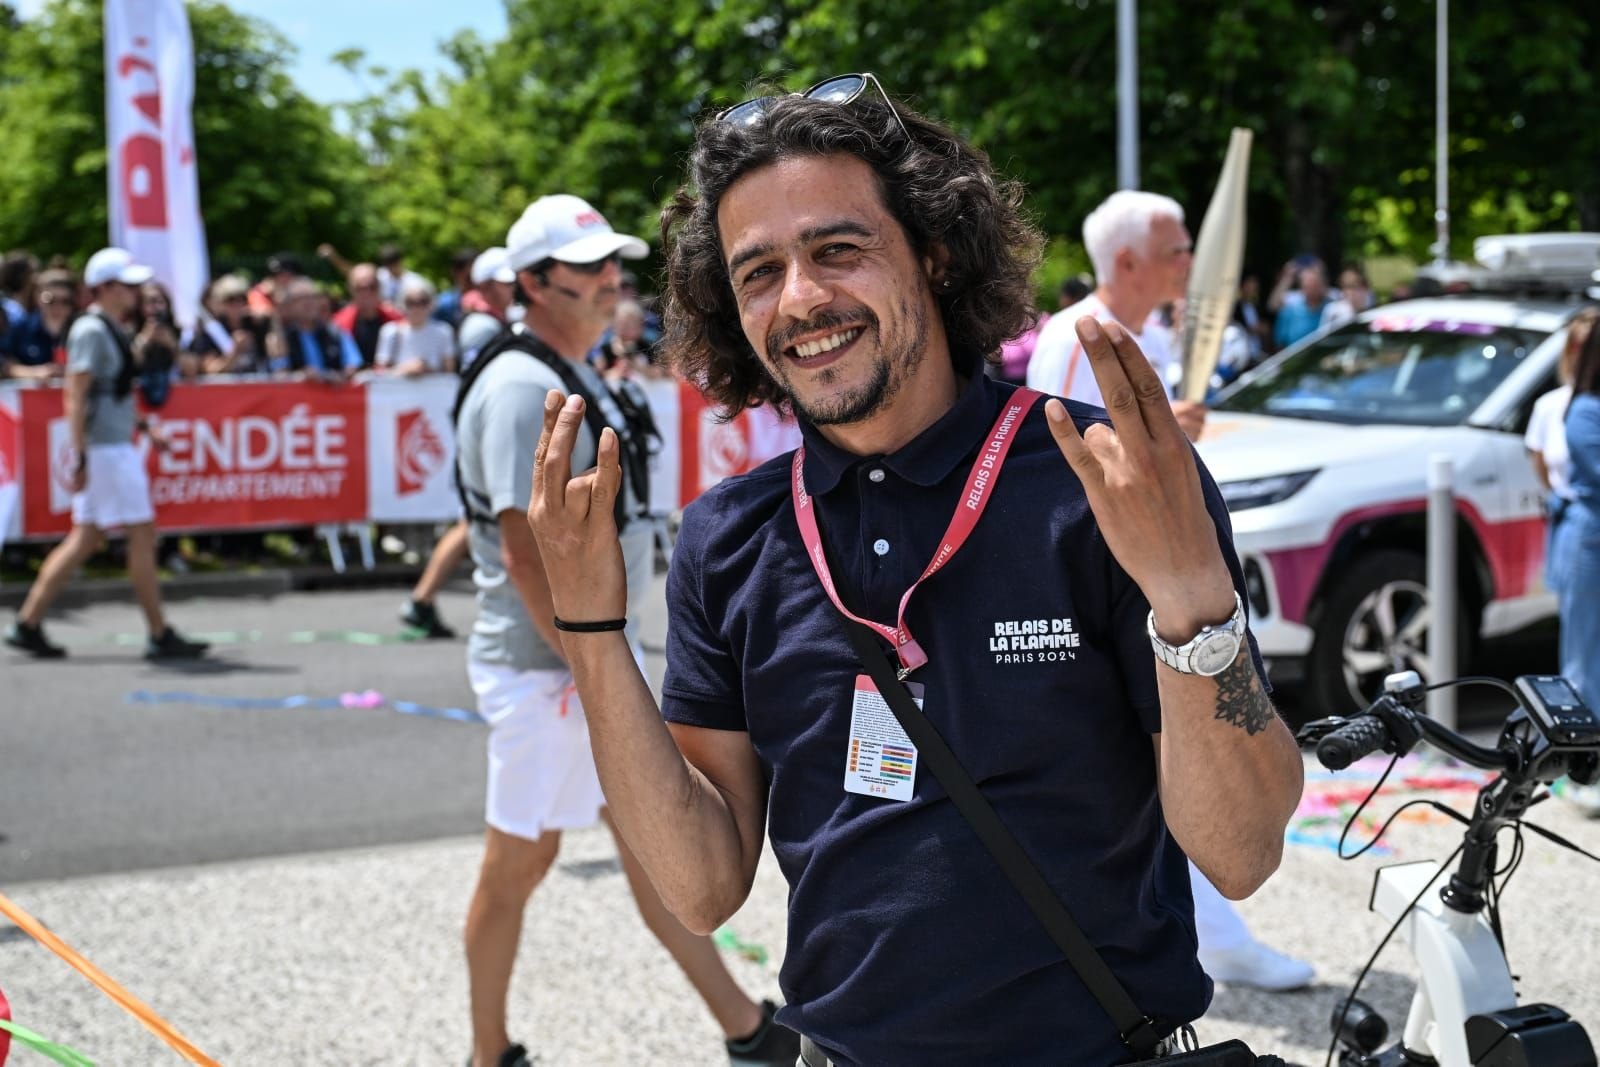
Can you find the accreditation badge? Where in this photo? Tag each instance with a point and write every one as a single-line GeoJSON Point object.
{"type": "Point", "coordinates": [881, 761]}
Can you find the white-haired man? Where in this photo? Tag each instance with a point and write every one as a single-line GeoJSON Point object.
{"type": "Point", "coordinates": [1141, 253]}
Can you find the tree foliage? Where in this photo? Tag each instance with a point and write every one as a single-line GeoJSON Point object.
{"type": "Point", "coordinates": [600, 97]}
{"type": "Point", "coordinates": [273, 172]}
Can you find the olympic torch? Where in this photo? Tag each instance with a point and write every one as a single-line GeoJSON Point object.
{"type": "Point", "coordinates": [1214, 275]}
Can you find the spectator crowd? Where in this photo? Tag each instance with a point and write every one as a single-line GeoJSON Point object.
{"type": "Point", "coordinates": [384, 319]}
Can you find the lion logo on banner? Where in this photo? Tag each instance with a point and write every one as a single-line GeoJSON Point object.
{"type": "Point", "coordinates": [419, 453]}
{"type": "Point", "coordinates": [725, 450]}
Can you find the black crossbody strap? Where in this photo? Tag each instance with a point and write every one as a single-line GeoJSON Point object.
{"type": "Point", "coordinates": [1137, 1030]}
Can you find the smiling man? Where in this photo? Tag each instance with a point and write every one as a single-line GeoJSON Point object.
{"type": "Point", "coordinates": [860, 264]}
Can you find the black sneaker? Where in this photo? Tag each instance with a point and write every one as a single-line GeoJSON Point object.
{"type": "Point", "coordinates": [772, 1043]}
{"type": "Point", "coordinates": [423, 617]}
{"type": "Point", "coordinates": [173, 645]}
{"type": "Point", "coordinates": [513, 1056]}
{"type": "Point", "coordinates": [31, 639]}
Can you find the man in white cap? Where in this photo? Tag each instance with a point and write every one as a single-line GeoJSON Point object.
{"type": "Point", "coordinates": [109, 485]}
{"type": "Point", "coordinates": [488, 305]}
{"type": "Point", "coordinates": [542, 777]}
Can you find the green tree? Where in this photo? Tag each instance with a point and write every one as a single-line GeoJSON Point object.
{"type": "Point", "coordinates": [600, 97]}
{"type": "Point", "coordinates": [273, 172]}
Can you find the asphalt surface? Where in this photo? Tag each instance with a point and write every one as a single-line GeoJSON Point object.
{"type": "Point", "coordinates": [287, 885]}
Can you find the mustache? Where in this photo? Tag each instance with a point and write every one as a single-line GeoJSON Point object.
{"type": "Point", "coordinates": [778, 340]}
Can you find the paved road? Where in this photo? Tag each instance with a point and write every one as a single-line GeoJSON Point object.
{"type": "Point", "coordinates": [94, 784]}
{"type": "Point", "coordinates": [287, 885]}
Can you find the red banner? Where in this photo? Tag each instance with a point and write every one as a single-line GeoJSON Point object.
{"type": "Point", "coordinates": [713, 448]}
{"type": "Point", "coordinates": [9, 468]}
{"type": "Point", "coordinates": [271, 454]}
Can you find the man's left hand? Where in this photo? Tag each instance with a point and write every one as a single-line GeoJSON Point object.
{"type": "Point", "coordinates": [1144, 487]}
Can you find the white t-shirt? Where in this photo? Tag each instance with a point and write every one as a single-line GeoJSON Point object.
{"type": "Point", "coordinates": [1060, 367]}
{"type": "Point", "coordinates": [1547, 435]}
{"type": "Point", "coordinates": [399, 342]}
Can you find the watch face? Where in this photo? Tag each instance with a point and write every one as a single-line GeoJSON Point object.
{"type": "Point", "coordinates": [1214, 652]}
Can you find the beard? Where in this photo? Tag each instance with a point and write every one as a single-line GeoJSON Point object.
{"type": "Point", "coordinates": [888, 373]}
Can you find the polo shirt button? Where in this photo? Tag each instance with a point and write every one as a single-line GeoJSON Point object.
{"type": "Point", "coordinates": [876, 475]}
{"type": "Point", "coordinates": [881, 547]}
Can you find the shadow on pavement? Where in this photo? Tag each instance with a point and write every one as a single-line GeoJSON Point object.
{"type": "Point", "coordinates": [1301, 1017]}
{"type": "Point", "coordinates": [215, 666]}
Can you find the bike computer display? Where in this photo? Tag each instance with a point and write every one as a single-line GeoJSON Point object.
{"type": "Point", "coordinates": [1555, 705]}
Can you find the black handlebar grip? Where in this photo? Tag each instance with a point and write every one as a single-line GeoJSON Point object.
{"type": "Point", "coordinates": [1356, 738]}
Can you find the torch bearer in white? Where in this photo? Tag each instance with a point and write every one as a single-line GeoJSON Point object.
{"type": "Point", "coordinates": [1214, 274]}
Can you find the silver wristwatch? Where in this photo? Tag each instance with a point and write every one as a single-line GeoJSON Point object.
{"type": "Point", "coordinates": [1209, 652]}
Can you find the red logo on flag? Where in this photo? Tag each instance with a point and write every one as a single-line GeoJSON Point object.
{"type": "Point", "coordinates": [418, 452]}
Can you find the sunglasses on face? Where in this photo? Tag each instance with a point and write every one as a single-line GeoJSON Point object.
{"type": "Point", "coordinates": [840, 89]}
{"type": "Point", "coordinates": [593, 266]}
{"type": "Point", "coordinates": [417, 301]}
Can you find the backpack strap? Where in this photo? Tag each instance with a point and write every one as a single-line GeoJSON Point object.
{"type": "Point", "coordinates": [507, 340]}
{"type": "Point", "coordinates": [126, 371]}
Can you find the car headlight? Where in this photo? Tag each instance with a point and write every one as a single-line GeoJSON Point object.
{"type": "Point", "coordinates": [1259, 492]}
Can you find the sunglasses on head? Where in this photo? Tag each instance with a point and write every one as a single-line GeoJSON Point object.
{"type": "Point", "coordinates": [840, 89]}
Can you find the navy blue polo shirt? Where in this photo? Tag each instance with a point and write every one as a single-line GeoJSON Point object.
{"type": "Point", "coordinates": [907, 945]}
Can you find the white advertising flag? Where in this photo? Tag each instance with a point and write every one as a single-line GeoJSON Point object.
{"type": "Point", "coordinates": [154, 186]}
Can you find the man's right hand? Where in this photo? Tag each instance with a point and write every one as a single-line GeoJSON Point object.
{"type": "Point", "coordinates": [573, 518]}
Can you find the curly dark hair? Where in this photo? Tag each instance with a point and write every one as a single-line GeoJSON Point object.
{"type": "Point", "coordinates": [941, 190]}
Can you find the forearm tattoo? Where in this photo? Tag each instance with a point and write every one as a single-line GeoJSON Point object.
{"type": "Point", "coordinates": [1240, 699]}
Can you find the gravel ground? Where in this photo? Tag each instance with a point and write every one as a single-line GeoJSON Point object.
{"type": "Point", "coordinates": [354, 958]}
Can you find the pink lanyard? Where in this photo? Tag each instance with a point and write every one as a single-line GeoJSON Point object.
{"type": "Point", "coordinates": [980, 483]}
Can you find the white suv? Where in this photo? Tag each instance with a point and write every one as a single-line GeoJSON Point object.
{"type": "Point", "coordinates": [1322, 455]}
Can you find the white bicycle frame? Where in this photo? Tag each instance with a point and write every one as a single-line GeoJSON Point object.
{"type": "Point", "coordinates": [1464, 972]}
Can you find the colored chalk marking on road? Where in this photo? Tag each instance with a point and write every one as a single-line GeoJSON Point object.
{"type": "Point", "coordinates": [365, 700]}
{"type": "Point", "coordinates": [729, 941]}
{"type": "Point", "coordinates": [68, 1057]}
{"type": "Point", "coordinates": [221, 638]}
{"type": "Point", "coordinates": [1330, 798]}
{"type": "Point", "coordinates": [124, 999]}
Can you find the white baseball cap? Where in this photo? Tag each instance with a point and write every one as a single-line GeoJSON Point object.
{"type": "Point", "coordinates": [493, 265]}
{"type": "Point", "coordinates": [567, 228]}
{"type": "Point", "coordinates": [115, 265]}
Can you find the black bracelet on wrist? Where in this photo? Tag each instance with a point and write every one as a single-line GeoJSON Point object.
{"type": "Point", "coordinates": [603, 626]}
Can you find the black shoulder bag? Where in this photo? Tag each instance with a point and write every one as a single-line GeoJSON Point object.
{"type": "Point", "coordinates": [1137, 1030]}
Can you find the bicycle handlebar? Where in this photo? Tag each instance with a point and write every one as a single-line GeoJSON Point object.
{"type": "Point", "coordinates": [1358, 737]}
{"type": "Point", "coordinates": [1376, 728]}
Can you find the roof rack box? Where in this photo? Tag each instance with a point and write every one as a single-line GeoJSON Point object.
{"type": "Point", "coordinates": [1558, 254]}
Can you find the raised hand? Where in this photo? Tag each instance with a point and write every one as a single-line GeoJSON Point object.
{"type": "Point", "coordinates": [1144, 487]}
{"type": "Point", "coordinates": [573, 518]}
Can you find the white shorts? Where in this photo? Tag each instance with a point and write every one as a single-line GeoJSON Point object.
{"type": "Point", "coordinates": [541, 768]}
{"type": "Point", "coordinates": [118, 493]}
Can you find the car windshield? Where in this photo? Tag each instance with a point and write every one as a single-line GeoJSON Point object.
{"type": "Point", "coordinates": [1392, 368]}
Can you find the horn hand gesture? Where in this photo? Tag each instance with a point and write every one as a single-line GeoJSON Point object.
{"type": "Point", "coordinates": [573, 519]}
{"type": "Point", "coordinates": [1143, 486]}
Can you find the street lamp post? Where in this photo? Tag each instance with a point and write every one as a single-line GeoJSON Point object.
{"type": "Point", "coordinates": [1127, 94]}
{"type": "Point", "coordinates": [1441, 195]}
